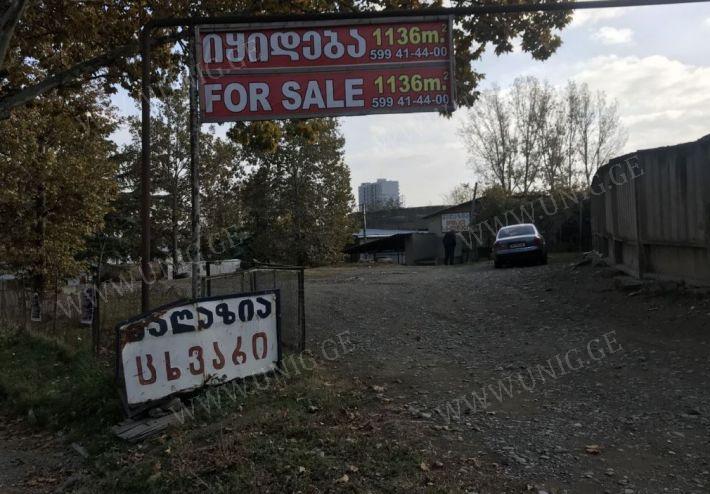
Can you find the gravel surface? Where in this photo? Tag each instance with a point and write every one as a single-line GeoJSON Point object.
{"type": "Point", "coordinates": [567, 379]}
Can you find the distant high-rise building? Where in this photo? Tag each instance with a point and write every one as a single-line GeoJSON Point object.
{"type": "Point", "coordinates": [378, 195]}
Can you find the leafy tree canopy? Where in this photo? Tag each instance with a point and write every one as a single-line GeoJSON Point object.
{"type": "Point", "coordinates": [297, 198]}
{"type": "Point", "coordinates": [56, 182]}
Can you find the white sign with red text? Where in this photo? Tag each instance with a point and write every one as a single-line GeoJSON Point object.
{"type": "Point", "coordinates": [211, 341]}
{"type": "Point", "coordinates": [458, 222]}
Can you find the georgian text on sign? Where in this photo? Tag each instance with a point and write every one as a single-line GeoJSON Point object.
{"type": "Point", "coordinates": [325, 69]}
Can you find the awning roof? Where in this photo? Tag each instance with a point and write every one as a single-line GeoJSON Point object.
{"type": "Point", "coordinates": [394, 242]}
{"type": "Point", "coordinates": [380, 232]}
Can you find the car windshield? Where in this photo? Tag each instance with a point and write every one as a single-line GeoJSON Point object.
{"type": "Point", "coordinates": [515, 231]}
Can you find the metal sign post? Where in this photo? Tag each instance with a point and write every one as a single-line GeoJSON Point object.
{"type": "Point", "coordinates": [195, 171]}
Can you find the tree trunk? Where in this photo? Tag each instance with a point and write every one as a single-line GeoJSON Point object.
{"type": "Point", "coordinates": [13, 12]}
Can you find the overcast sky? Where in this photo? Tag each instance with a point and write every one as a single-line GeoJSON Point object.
{"type": "Point", "coordinates": [654, 60]}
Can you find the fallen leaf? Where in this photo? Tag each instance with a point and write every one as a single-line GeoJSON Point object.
{"type": "Point", "coordinates": [424, 467]}
{"type": "Point", "coordinates": [343, 480]}
{"type": "Point", "coordinates": [593, 449]}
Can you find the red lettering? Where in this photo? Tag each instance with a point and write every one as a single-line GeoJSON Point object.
{"type": "Point", "coordinates": [149, 363]}
{"type": "Point", "coordinates": [196, 352]}
{"type": "Point", "coordinates": [258, 336]}
{"type": "Point", "coordinates": [172, 372]}
{"type": "Point", "coordinates": [217, 364]}
{"type": "Point", "coordinates": [238, 354]}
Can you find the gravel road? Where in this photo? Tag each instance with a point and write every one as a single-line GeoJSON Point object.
{"type": "Point", "coordinates": [563, 380]}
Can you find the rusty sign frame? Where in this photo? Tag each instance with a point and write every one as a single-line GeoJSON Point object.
{"type": "Point", "coordinates": [133, 410]}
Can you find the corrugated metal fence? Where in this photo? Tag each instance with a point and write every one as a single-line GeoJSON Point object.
{"type": "Point", "coordinates": [651, 212]}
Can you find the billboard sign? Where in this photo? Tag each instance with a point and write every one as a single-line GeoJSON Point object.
{"type": "Point", "coordinates": [325, 68]}
{"type": "Point", "coordinates": [458, 222]}
{"type": "Point", "coordinates": [184, 346]}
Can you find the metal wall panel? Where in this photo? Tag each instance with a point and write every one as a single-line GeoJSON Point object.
{"type": "Point", "coordinates": [665, 231]}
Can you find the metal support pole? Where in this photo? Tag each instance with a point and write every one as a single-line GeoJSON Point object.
{"type": "Point", "coordinates": [364, 222]}
{"type": "Point", "coordinates": [302, 308]}
{"type": "Point", "coordinates": [208, 276]}
{"type": "Point", "coordinates": [146, 274]}
{"type": "Point", "coordinates": [194, 168]}
{"type": "Point", "coordinates": [481, 9]}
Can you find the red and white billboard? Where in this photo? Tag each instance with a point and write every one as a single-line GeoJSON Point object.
{"type": "Point", "coordinates": [325, 68]}
{"type": "Point", "coordinates": [255, 96]}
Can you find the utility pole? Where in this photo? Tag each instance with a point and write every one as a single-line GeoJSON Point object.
{"type": "Point", "coordinates": [194, 169]}
{"type": "Point", "coordinates": [364, 222]}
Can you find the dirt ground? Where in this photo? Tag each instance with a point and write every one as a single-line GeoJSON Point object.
{"type": "Point", "coordinates": [543, 379]}
{"type": "Point", "coordinates": [607, 386]}
{"type": "Point", "coordinates": [32, 460]}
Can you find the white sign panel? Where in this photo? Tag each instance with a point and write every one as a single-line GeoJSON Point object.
{"type": "Point", "coordinates": [183, 347]}
{"type": "Point", "coordinates": [459, 222]}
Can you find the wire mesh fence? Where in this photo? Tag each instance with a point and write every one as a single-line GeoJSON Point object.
{"type": "Point", "coordinates": [289, 282]}
{"type": "Point", "coordinates": [86, 315]}
{"type": "Point", "coordinates": [13, 303]}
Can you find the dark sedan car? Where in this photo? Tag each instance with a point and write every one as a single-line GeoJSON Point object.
{"type": "Point", "coordinates": [519, 243]}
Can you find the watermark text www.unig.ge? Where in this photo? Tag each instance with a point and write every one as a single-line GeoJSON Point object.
{"type": "Point", "coordinates": [556, 367]}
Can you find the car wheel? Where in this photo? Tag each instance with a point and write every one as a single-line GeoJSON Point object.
{"type": "Point", "coordinates": [543, 259]}
{"type": "Point", "coordinates": [497, 264]}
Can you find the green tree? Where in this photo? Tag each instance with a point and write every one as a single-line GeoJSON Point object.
{"type": "Point", "coordinates": [221, 214]}
{"type": "Point", "coordinates": [220, 168]}
{"type": "Point", "coordinates": [297, 198]}
{"type": "Point", "coordinates": [56, 183]}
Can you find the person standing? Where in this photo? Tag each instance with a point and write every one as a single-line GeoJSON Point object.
{"type": "Point", "coordinates": [449, 247]}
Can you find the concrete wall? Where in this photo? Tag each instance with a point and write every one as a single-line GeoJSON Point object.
{"type": "Point", "coordinates": [651, 212]}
